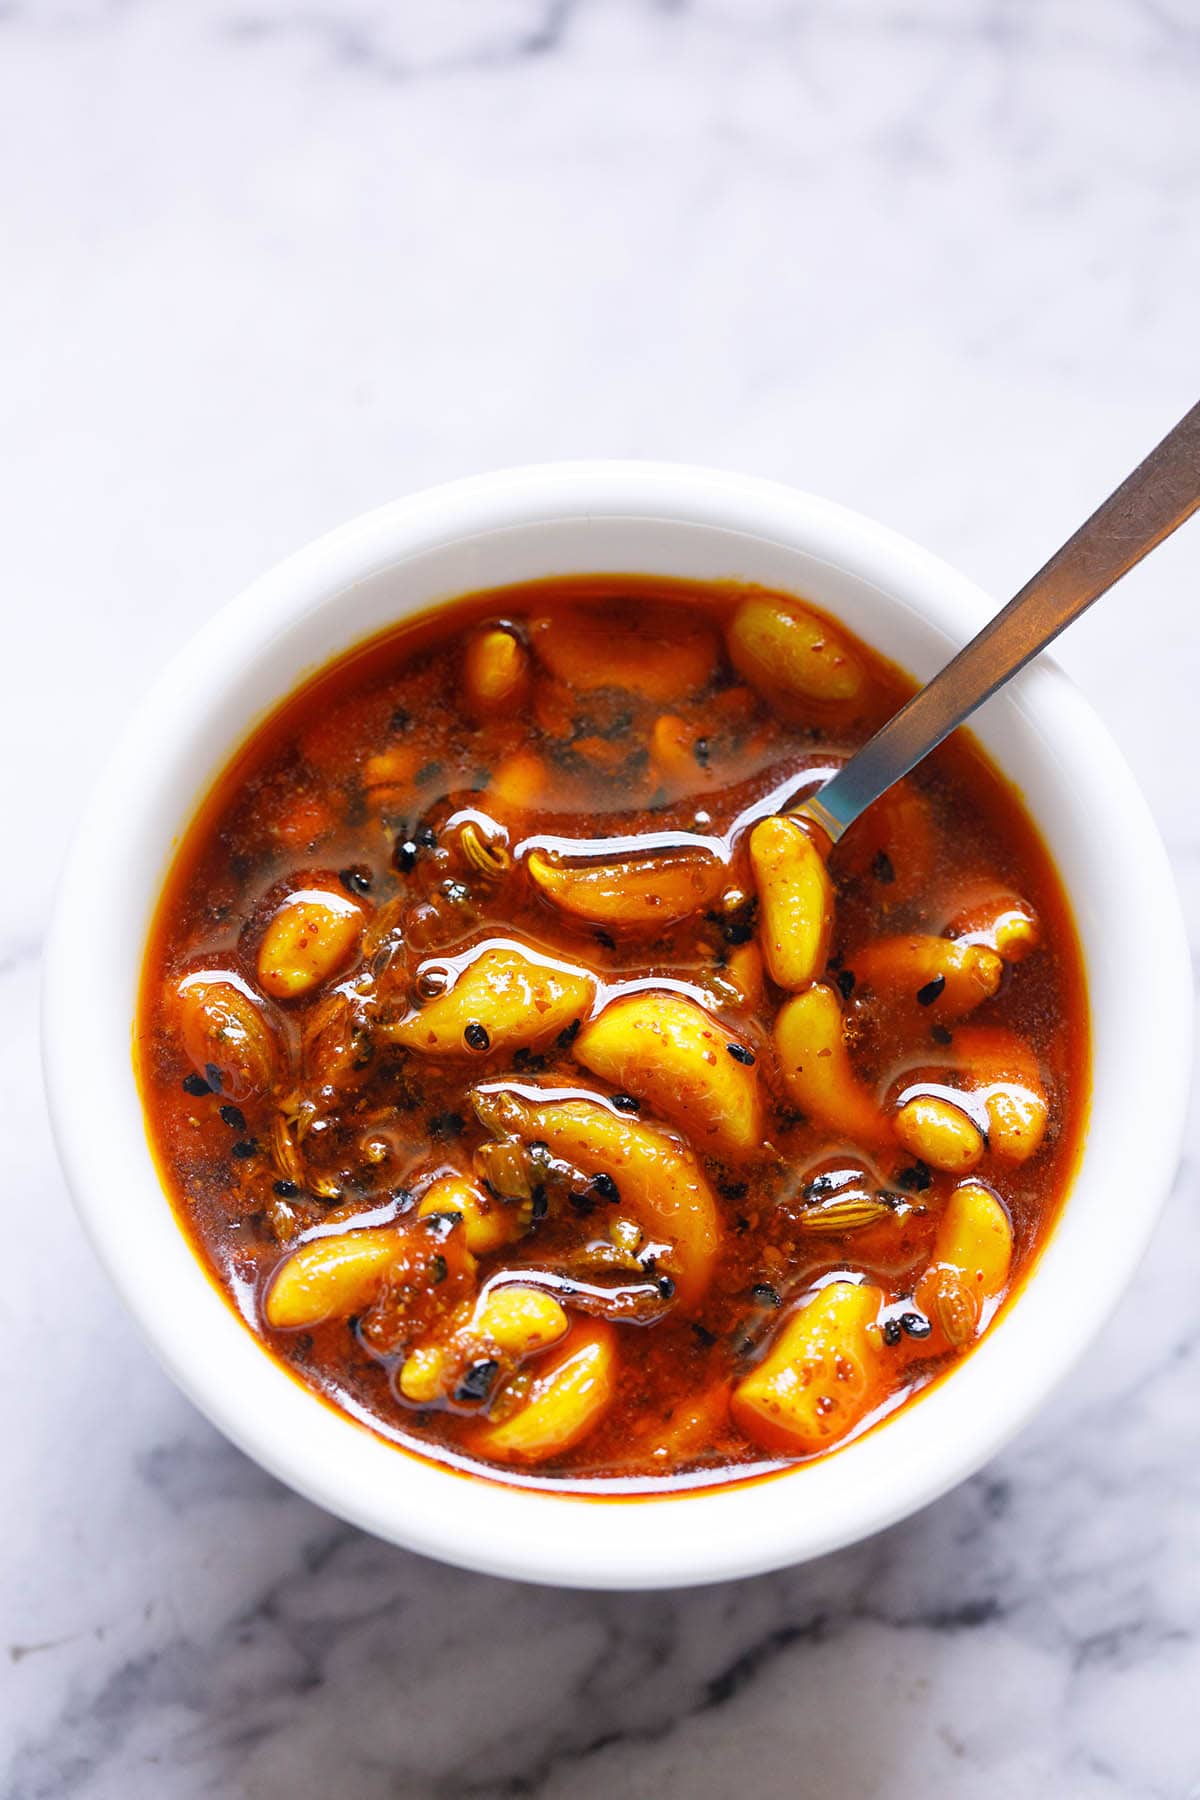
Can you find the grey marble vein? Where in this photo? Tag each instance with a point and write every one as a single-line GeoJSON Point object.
{"type": "Point", "coordinates": [267, 264]}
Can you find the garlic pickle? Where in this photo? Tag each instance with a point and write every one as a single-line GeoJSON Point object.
{"type": "Point", "coordinates": [547, 1095]}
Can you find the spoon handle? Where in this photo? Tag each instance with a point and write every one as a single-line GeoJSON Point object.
{"type": "Point", "coordinates": [1149, 504]}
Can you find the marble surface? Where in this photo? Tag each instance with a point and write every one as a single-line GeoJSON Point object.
{"type": "Point", "coordinates": [267, 264]}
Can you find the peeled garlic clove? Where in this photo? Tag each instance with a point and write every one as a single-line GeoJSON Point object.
{"type": "Point", "coordinates": [795, 897]}
{"type": "Point", "coordinates": [658, 652]}
{"type": "Point", "coordinates": [311, 937]}
{"type": "Point", "coordinates": [821, 1375]}
{"type": "Point", "coordinates": [935, 975]}
{"type": "Point", "coordinates": [783, 647]}
{"type": "Point", "coordinates": [688, 1067]}
{"type": "Point", "coordinates": [568, 1397]}
{"type": "Point", "coordinates": [227, 1032]}
{"type": "Point", "coordinates": [496, 671]}
{"type": "Point", "coordinates": [656, 1178]}
{"type": "Point", "coordinates": [817, 1072]}
{"type": "Point", "coordinates": [331, 1277]}
{"type": "Point", "coordinates": [503, 1000]}
{"type": "Point", "coordinates": [646, 894]}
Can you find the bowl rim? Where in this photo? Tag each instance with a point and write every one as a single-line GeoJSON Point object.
{"type": "Point", "coordinates": [687, 1538]}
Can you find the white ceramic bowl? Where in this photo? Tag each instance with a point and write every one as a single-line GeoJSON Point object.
{"type": "Point", "coordinates": [665, 520]}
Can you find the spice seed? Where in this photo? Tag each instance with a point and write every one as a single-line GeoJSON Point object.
{"type": "Point", "coordinates": [626, 1103]}
{"type": "Point", "coordinates": [741, 1054]}
{"type": "Point", "coordinates": [931, 991]}
{"type": "Point", "coordinates": [477, 1381]}
{"type": "Point", "coordinates": [476, 1037]}
{"type": "Point", "coordinates": [234, 1117]}
{"type": "Point", "coordinates": [606, 1187]}
{"type": "Point", "coordinates": [916, 1324]}
{"type": "Point", "coordinates": [246, 1148]}
{"type": "Point", "coordinates": [195, 1085]}
{"type": "Point", "coordinates": [447, 1221]}
{"type": "Point", "coordinates": [916, 1178]}
{"type": "Point", "coordinates": [287, 1190]}
{"type": "Point", "coordinates": [765, 1294]}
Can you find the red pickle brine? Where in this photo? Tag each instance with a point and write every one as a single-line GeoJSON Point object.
{"type": "Point", "coordinates": [548, 1101]}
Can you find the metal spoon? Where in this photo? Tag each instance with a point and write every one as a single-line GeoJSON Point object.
{"type": "Point", "coordinates": [1148, 506]}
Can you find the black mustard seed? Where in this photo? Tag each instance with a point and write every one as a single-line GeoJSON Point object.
{"type": "Point", "coordinates": [916, 1178]}
{"type": "Point", "coordinates": [476, 1383]}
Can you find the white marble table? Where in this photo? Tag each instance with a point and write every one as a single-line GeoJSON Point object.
{"type": "Point", "coordinates": [267, 264]}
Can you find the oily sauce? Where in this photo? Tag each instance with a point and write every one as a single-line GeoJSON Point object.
{"type": "Point", "coordinates": [416, 788]}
